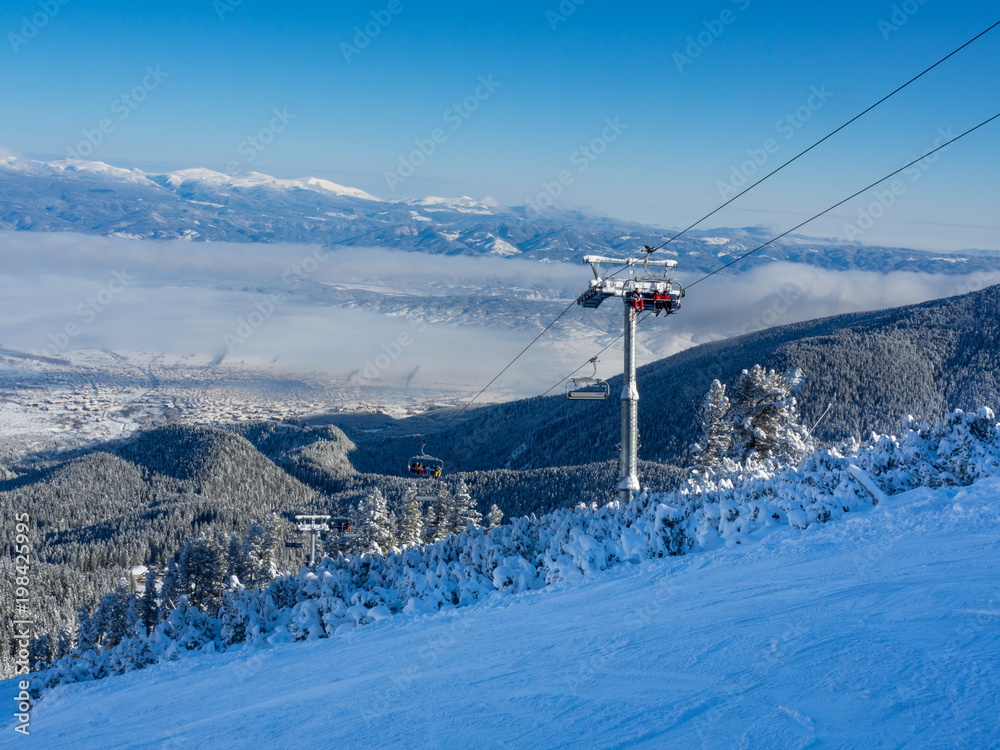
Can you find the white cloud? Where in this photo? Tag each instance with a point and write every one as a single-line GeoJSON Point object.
{"type": "Point", "coordinates": [184, 298]}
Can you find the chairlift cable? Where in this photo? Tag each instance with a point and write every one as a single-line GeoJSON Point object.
{"type": "Point", "coordinates": [508, 365]}
{"type": "Point", "coordinates": [842, 202]}
{"type": "Point", "coordinates": [773, 239]}
{"type": "Point", "coordinates": [821, 416]}
{"type": "Point", "coordinates": [650, 250]}
{"type": "Point", "coordinates": [614, 341]}
{"type": "Point", "coordinates": [824, 138]}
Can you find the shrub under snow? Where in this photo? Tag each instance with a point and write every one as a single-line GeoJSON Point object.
{"type": "Point", "coordinates": [341, 594]}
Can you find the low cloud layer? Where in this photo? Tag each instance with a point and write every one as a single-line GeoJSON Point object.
{"type": "Point", "coordinates": [60, 292]}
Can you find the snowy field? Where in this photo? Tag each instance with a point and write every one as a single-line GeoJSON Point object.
{"type": "Point", "coordinates": [880, 630]}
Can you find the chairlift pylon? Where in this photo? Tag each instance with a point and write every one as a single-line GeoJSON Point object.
{"type": "Point", "coordinates": [588, 388]}
{"type": "Point", "coordinates": [637, 291]}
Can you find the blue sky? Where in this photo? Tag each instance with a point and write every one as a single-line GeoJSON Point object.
{"type": "Point", "coordinates": [694, 87]}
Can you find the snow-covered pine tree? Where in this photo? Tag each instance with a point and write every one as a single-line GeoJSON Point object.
{"type": "Point", "coordinates": [495, 516]}
{"type": "Point", "coordinates": [187, 627]}
{"type": "Point", "coordinates": [393, 529]}
{"type": "Point", "coordinates": [430, 524]}
{"type": "Point", "coordinates": [113, 614]}
{"type": "Point", "coordinates": [411, 529]}
{"type": "Point", "coordinates": [173, 584]}
{"type": "Point", "coordinates": [236, 562]}
{"type": "Point", "coordinates": [375, 535]}
{"type": "Point", "coordinates": [258, 552]}
{"type": "Point", "coordinates": [716, 428]}
{"type": "Point", "coordinates": [41, 652]}
{"type": "Point", "coordinates": [88, 634]}
{"type": "Point", "coordinates": [439, 524]}
{"type": "Point", "coordinates": [149, 606]}
{"type": "Point", "coordinates": [133, 617]}
{"type": "Point", "coordinates": [765, 419]}
{"type": "Point", "coordinates": [361, 542]}
{"type": "Point", "coordinates": [233, 618]}
{"type": "Point", "coordinates": [203, 569]}
{"type": "Point", "coordinates": [463, 510]}
{"type": "Point", "coordinates": [64, 642]}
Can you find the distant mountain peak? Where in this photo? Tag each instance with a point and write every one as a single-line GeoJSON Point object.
{"type": "Point", "coordinates": [462, 204]}
{"type": "Point", "coordinates": [257, 179]}
{"type": "Point", "coordinates": [97, 167]}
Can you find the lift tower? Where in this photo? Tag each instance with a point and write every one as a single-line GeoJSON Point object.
{"type": "Point", "coordinates": [645, 290]}
{"type": "Point", "coordinates": [313, 526]}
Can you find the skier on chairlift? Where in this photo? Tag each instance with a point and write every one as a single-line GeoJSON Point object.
{"type": "Point", "coordinates": [661, 302]}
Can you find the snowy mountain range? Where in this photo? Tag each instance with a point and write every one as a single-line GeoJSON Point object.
{"type": "Point", "coordinates": [204, 205]}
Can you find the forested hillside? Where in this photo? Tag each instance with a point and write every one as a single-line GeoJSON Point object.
{"type": "Point", "coordinates": [96, 512]}
{"type": "Point", "coordinates": [872, 367]}
{"type": "Point", "coordinates": [95, 515]}
{"type": "Point", "coordinates": [343, 593]}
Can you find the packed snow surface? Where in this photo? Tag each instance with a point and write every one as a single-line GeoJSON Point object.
{"type": "Point", "coordinates": [878, 630]}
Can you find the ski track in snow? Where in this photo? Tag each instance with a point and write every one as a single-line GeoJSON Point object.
{"type": "Point", "coordinates": [876, 631]}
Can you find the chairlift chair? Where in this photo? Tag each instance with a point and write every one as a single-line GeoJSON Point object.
{"type": "Point", "coordinates": [342, 532]}
{"type": "Point", "coordinates": [343, 526]}
{"type": "Point", "coordinates": [588, 388]}
{"type": "Point", "coordinates": [427, 471]}
{"type": "Point", "coordinates": [654, 292]}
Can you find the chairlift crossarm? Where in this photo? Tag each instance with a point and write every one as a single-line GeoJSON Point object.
{"type": "Point", "coordinates": [596, 260]}
{"type": "Point", "coordinates": [660, 291]}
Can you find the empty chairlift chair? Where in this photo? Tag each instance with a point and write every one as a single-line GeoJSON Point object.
{"type": "Point", "coordinates": [590, 388]}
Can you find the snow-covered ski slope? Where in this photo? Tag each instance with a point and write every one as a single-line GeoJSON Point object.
{"type": "Point", "coordinates": [880, 630]}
